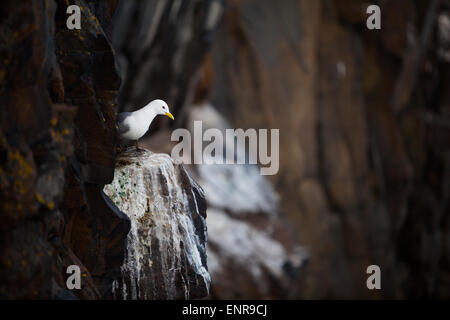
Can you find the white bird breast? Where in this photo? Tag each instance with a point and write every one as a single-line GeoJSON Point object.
{"type": "Point", "coordinates": [138, 127]}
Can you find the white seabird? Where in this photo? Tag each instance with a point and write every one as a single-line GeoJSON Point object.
{"type": "Point", "coordinates": [133, 125]}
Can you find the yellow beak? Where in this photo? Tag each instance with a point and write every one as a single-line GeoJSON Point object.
{"type": "Point", "coordinates": [170, 115]}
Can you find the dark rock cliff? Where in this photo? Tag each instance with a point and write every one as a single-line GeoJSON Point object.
{"type": "Point", "coordinates": [363, 118]}
{"type": "Point", "coordinates": [58, 93]}
{"type": "Point", "coordinates": [364, 142]}
{"type": "Point", "coordinates": [364, 134]}
{"type": "Point", "coordinates": [252, 250]}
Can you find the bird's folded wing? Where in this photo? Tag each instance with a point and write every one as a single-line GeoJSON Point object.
{"type": "Point", "coordinates": [122, 126]}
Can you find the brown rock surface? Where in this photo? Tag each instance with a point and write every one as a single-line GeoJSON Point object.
{"type": "Point", "coordinates": [58, 90]}
{"type": "Point", "coordinates": [364, 141]}
{"type": "Point", "coordinates": [363, 184]}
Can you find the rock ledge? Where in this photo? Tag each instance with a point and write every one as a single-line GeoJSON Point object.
{"type": "Point", "coordinates": [166, 246]}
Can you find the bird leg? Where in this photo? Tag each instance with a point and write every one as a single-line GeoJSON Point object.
{"type": "Point", "coordinates": [137, 148]}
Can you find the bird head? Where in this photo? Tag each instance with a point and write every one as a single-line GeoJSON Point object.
{"type": "Point", "coordinates": [161, 108]}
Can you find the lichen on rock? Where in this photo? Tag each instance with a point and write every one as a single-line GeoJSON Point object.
{"type": "Point", "coordinates": [166, 247]}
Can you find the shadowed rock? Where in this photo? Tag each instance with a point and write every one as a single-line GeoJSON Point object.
{"type": "Point", "coordinates": [57, 136]}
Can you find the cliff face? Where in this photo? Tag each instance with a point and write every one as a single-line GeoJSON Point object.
{"type": "Point", "coordinates": [163, 43]}
{"type": "Point", "coordinates": [363, 118]}
{"type": "Point", "coordinates": [364, 147]}
{"type": "Point", "coordinates": [252, 250]}
{"type": "Point", "coordinates": [249, 241]}
{"type": "Point", "coordinates": [58, 91]}
{"type": "Point", "coordinates": [166, 246]}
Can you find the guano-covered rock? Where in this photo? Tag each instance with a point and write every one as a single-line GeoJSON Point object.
{"type": "Point", "coordinates": [166, 246]}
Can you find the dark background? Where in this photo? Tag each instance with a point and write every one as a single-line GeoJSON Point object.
{"type": "Point", "coordinates": [364, 119]}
